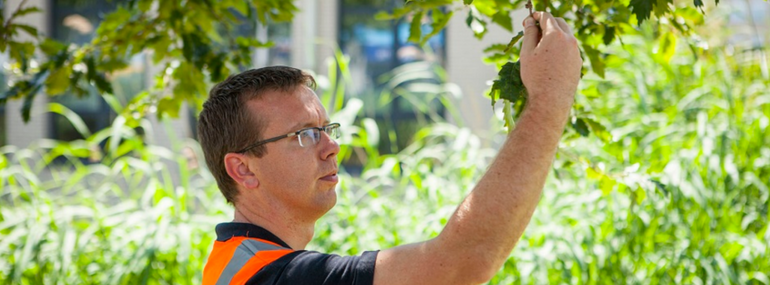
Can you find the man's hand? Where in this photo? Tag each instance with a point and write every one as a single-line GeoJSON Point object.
{"type": "Point", "coordinates": [550, 63]}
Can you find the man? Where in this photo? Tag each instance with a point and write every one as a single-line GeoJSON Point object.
{"type": "Point", "coordinates": [269, 143]}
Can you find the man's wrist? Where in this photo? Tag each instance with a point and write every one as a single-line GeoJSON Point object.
{"type": "Point", "coordinates": [549, 111]}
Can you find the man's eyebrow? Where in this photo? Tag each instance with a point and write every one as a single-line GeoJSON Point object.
{"type": "Point", "coordinates": [300, 126]}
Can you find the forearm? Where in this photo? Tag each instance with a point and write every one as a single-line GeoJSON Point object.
{"type": "Point", "coordinates": [493, 217]}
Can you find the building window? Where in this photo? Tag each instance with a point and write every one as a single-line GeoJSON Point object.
{"type": "Point", "coordinates": [3, 87]}
{"type": "Point", "coordinates": [75, 22]}
{"type": "Point", "coordinates": [378, 50]}
{"type": "Point", "coordinates": [280, 35]}
{"type": "Point", "coordinates": [750, 23]}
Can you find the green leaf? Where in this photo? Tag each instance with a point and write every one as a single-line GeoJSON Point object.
{"type": "Point", "coordinates": [59, 81]}
{"type": "Point", "coordinates": [415, 29]}
{"type": "Point", "coordinates": [508, 86]}
{"type": "Point", "coordinates": [503, 19]}
{"type": "Point", "coordinates": [667, 46]}
{"type": "Point", "coordinates": [251, 42]}
{"type": "Point", "coordinates": [581, 127]}
{"type": "Point", "coordinates": [25, 11]}
{"type": "Point", "coordinates": [72, 117]}
{"type": "Point", "coordinates": [241, 7]}
{"type": "Point", "coordinates": [496, 47]}
{"type": "Point", "coordinates": [660, 186]}
{"type": "Point", "coordinates": [114, 21]}
{"type": "Point", "coordinates": [606, 184]}
{"type": "Point", "coordinates": [169, 106]}
{"type": "Point", "coordinates": [21, 52]}
{"type": "Point", "coordinates": [160, 45]}
{"type": "Point", "coordinates": [642, 9]}
{"type": "Point", "coordinates": [609, 34]}
{"type": "Point", "coordinates": [662, 7]}
{"type": "Point", "coordinates": [698, 3]}
{"type": "Point", "coordinates": [51, 47]}
{"type": "Point", "coordinates": [467, 2]}
{"type": "Point", "coordinates": [598, 130]}
{"type": "Point", "coordinates": [145, 5]}
{"type": "Point", "coordinates": [469, 19]}
{"type": "Point", "coordinates": [597, 63]}
{"type": "Point", "coordinates": [640, 195]}
{"type": "Point", "coordinates": [187, 47]}
{"type": "Point", "coordinates": [26, 107]}
{"type": "Point", "coordinates": [27, 28]}
{"type": "Point", "coordinates": [440, 20]}
{"type": "Point", "coordinates": [101, 83]}
{"type": "Point", "coordinates": [690, 15]}
{"type": "Point", "coordinates": [383, 16]}
{"type": "Point", "coordinates": [486, 7]}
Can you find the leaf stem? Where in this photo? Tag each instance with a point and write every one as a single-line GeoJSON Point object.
{"type": "Point", "coordinates": [7, 24]}
{"type": "Point", "coordinates": [529, 6]}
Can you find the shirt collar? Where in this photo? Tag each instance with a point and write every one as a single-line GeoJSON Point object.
{"type": "Point", "coordinates": [226, 231]}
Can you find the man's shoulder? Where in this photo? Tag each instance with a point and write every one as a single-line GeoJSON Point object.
{"type": "Point", "coordinates": [312, 267]}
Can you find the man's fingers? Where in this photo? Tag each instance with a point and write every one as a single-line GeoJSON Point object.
{"type": "Point", "coordinates": [564, 26]}
{"type": "Point", "coordinates": [547, 22]}
{"type": "Point", "coordinates": [531, 37]}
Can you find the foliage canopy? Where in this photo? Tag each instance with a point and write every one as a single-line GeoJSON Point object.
{"type": "Point", "coordinates": [197, 42]}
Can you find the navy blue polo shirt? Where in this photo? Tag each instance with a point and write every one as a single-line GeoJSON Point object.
{"type": "Point", "coordinates": [302, 266]}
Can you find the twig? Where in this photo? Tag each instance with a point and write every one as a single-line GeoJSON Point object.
{"type": "Point", "coordinates": [529, 6]}
{"type": "Point", "coordinates": [7, 23]}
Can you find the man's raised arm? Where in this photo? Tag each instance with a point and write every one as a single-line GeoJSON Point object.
{"type": "Point", "coordinates": [486, 226]}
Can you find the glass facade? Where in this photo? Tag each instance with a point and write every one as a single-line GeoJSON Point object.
{"type": "Point", "coordinates": [385, 67]}
{"type": "Point", "coordinates": [3, 87]}
{"type": "Point", "coordinates": [280, 52]}
{"type": "Point", "coordinates": [750, 23]}
{"type": "Point", "coordinates": [382, 44]}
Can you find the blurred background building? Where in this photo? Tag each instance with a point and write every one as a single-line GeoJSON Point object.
{"type": "Point", "coordinates": [375, 48]}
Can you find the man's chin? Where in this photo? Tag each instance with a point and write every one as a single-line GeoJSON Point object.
{"type": "Point", "coordinates": [325, 204]}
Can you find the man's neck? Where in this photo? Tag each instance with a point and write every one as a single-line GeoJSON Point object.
{"type": "Point", "coordinates": [297, 234]}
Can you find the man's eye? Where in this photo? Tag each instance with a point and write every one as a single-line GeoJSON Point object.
{"type": "Point", "coordinates": [310, 134]}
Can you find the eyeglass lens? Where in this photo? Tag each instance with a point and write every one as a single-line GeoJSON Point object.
{"type": "Point", "coordinates": [312, 136]}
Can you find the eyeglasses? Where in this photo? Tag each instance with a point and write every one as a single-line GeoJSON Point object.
{"type": "Point", "coordinates": [306, 137]}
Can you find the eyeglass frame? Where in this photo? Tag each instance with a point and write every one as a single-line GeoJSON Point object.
{"type": "Point", "coordinates": [274, 139]}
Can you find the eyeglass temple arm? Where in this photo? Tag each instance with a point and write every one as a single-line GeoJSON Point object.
{"type": "Point", "coordinates": [266, 141]}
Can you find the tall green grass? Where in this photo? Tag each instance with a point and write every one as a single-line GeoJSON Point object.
{"type": "Point", "coordinates": [675, 192]}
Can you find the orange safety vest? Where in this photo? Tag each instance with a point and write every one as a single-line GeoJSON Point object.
{"type": "Point", "coordinates": [236, 260]}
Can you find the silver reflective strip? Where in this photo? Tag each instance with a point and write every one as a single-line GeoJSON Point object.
{"type": "Point", "coordinates": [245, 251]}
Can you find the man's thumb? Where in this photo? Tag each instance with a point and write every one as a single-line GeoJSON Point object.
{"type": "Point", "coordinates": [531, 36]}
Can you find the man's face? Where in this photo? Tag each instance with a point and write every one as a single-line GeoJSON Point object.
{"type": "Point", "coordinates": [300, 179]}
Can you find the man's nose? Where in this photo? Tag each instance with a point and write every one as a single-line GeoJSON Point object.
{"type": "Point", "coordinates": [330, 147]}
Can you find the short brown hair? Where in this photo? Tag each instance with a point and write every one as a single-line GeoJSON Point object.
{"type": "Point", "coordinates": [225, 125]}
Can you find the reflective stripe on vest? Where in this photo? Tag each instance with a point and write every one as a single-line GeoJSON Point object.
{"type": "Point", "coordinates": [234, 261]}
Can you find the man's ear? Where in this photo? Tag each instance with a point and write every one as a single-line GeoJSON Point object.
{"type": "Point", "coordinates": [237, 166]}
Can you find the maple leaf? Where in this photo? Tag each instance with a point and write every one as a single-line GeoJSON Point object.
{"type": "Point", "coordinates": [642, 9]}
{"type": "Point", "coordinates": [508, 86]}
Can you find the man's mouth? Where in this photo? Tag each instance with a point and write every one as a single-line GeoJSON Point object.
{"type": "Point", "coordinates": [331, 177]}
